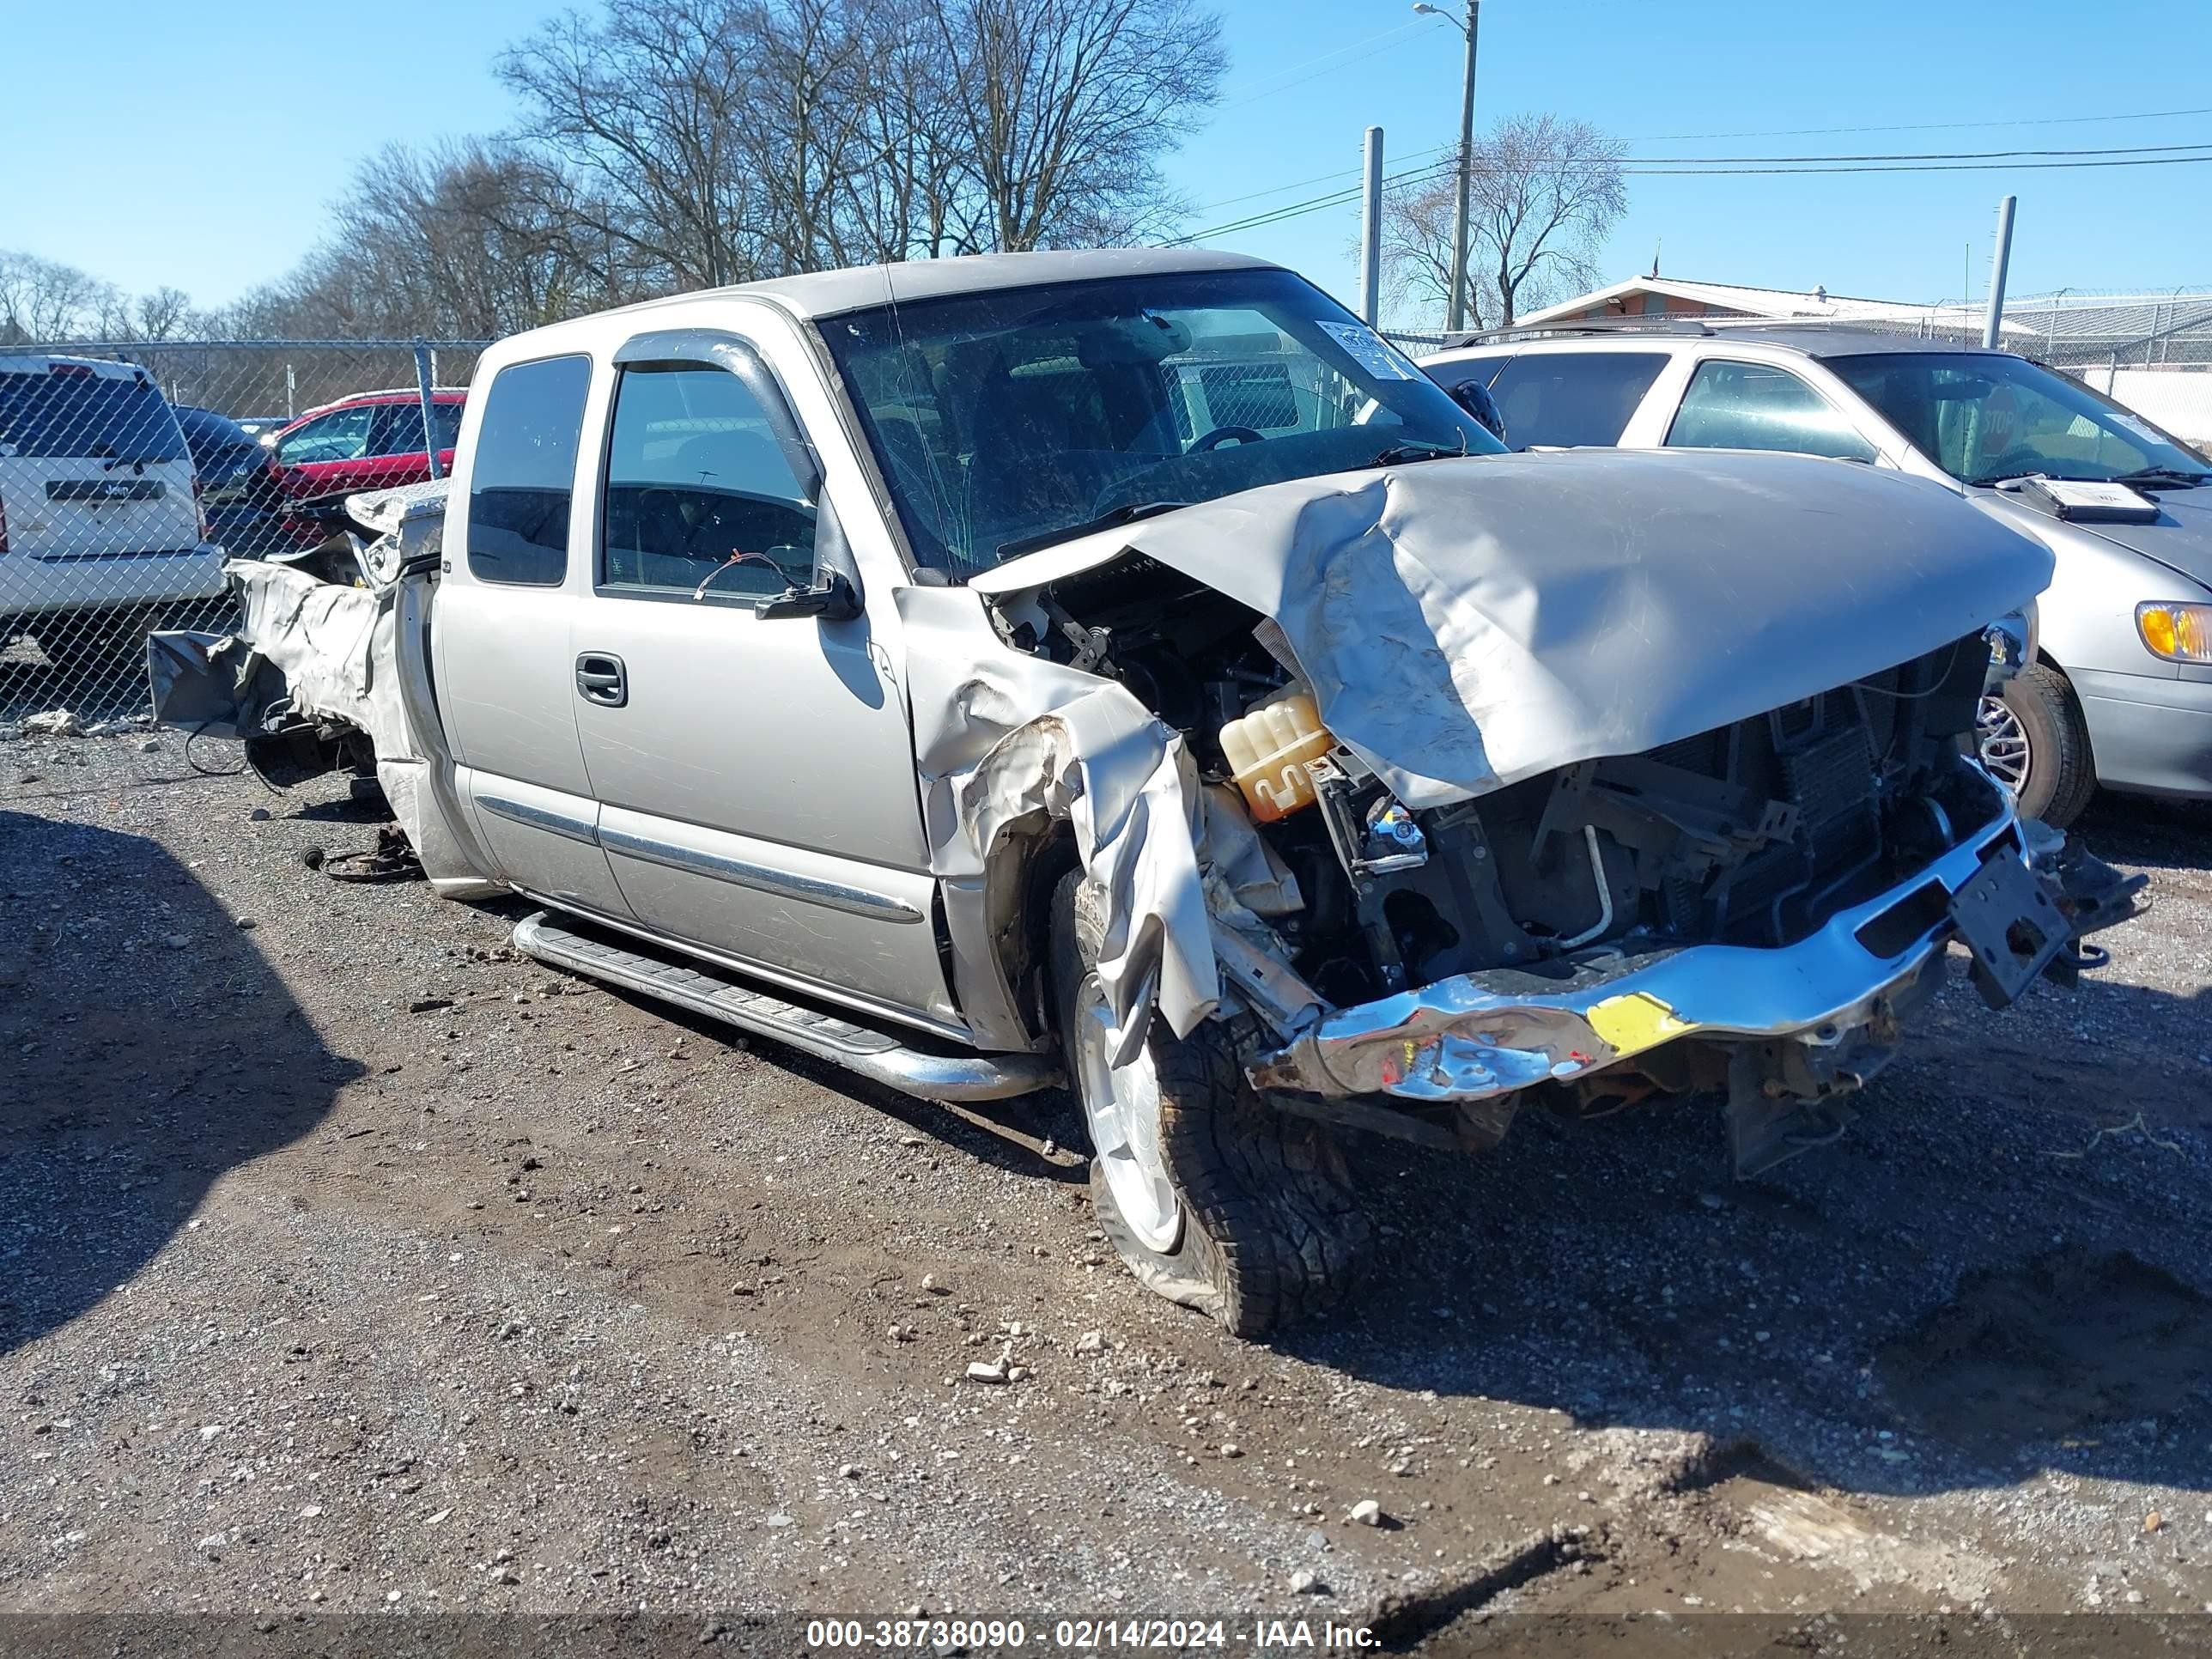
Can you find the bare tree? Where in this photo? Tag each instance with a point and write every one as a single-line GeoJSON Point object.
{"type": "Point", "coordinates": [1546, 191]}
{"type": "Point", "coordinates": [1071, 106]}
{"type": "Point", "coordinates": [167, 313]}
{"type": "Point", "coordinates": [645, 110]}
{"type": "Point", "coordinates": [45, 300]}
{"type": "Point", "coordinates": [913, 199]}
{"type": "Point", "coordinates": [472, 240]}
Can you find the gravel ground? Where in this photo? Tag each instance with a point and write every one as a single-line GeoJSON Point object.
{"type": "Point", "coordinates": [350, 1263]}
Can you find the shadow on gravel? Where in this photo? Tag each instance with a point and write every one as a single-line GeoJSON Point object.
{"type": "Point", "coordinates": [2004, 1266]}
{"type": "Point", "coordinates": [2148, 831]}
{"type": "Point", "coordinates": [136, 1071]}
{"type": "Point", "coordinates": [1006, 1134]}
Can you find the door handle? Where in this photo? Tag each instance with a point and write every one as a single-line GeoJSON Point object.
{"type": "Point", "coordinates": [601, 679]}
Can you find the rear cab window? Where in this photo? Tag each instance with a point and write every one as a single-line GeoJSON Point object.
{"type": "Point", "coordinates": [523, 472]}
{"type": "Point", "coordinates": [72, 411]}
{"type": "Point", "coordinates": [1569, 399]}
{"type": "Point", "coordinates": [1740, 406]}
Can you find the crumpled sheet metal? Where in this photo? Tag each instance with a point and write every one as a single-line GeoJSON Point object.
{"type": "Point", "coordinates": [407, 510]}
{"type": "Point", "coordinates": [1163, 848]}
{"type": "Point", "coordinates": [338, 649]}
{"type": "Point", "coordinates": [1467, 624]}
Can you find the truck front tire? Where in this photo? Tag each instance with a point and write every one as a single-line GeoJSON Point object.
{"type": "Point", "coordinates": [1213, 1198]}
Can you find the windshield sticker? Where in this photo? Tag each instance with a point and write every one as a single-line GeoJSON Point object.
{"type": "Point", "coordinates": [1371, 350]}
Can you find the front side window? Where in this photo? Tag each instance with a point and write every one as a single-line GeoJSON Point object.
{"type": "Point", "coordinates": [1008, 420]}
{"type": "Point", "coordinates": [1573, 399]}
{"type": "Point", "coordinates": [1757, 406]}
{"type": "Point", "coordinates": [341, 435]}
{"type": "Point", "coordinates": [699, 498]}
{"type": "Point", "coordinates": [525, 470]}
{"type": "Point", "coordinates": [1983, 416]}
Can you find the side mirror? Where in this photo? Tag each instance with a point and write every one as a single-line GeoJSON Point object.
{"type": "Point", "coordinates": [1475, 398]}
{"type": "Point", "coordinates": [833, 599]}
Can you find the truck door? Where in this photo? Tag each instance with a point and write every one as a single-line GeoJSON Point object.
{"type": "Point", "coordinates": [500, 636]}
{"type": "Point", "coordinates": [754, 773]}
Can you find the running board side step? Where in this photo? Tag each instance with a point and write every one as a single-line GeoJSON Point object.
{"type": "Point", "coordinates": [719, 995]}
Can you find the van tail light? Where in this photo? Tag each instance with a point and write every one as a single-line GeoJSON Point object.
{"type": "Point", "coordinates": [3, 526]}
{"type": "Point", "coordinates": [199, 504]}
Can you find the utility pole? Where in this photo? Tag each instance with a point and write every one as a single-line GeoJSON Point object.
{"type": "Point", "coordinates": [1456, 307]}
{"type": "Point", "coordinates": [1998, 261]}
{"type": "Point", "coordinates": [1371, 232]}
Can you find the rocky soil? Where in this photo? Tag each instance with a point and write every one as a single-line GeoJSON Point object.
{"type": "Point", "coordinates": [352, 1265]}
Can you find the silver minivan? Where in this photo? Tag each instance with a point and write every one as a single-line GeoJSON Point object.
{"type": "Point", "coordinates": [2121, 691]}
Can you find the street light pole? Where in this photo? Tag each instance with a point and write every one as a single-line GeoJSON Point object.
{"type": "Point", "coordinates": [1455, 306]}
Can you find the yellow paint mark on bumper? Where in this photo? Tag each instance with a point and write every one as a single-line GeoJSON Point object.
{"type": "Point", "coordinates": [1637, 1021]}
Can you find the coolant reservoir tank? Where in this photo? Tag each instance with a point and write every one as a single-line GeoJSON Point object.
{"type": "Point", "coordinates": [1268, 752]}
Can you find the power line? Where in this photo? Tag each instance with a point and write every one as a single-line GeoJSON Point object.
{"type": "Point", "coordinates": [1904, 155]}
{"type": "Point", "coordinates": [1300, 184]}
{"type": "Point", "coordinates": [1919, 126]}
{"type": "Point", "coordinates": [1383, 42]}
{"type": "Point", "coordinates": [1688, 165]}
{"type": "Point", "coordinates": [1312, 204]}
{"type": "Point", "coordinates": [1344, 198]}
{"type": "Point", "coordinates": [1641, 172]}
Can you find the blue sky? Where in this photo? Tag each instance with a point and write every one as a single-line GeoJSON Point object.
{"type": "Point", "coordinates": [233, 127]}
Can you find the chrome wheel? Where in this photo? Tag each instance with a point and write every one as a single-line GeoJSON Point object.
{"type": "Point", "coordinates": [2003, 742]}
{"type": "Point", "coordinates": [1122, 1106]}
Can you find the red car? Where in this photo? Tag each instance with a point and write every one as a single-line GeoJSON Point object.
{"type": "Point", "coordinates": [371, 440]}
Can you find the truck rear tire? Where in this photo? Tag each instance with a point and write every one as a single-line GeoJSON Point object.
{"type": "Point", "coordinates": [1213, 1198]}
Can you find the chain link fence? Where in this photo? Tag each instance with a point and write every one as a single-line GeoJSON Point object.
{"type": "Point", "coordinates": [130, 471]}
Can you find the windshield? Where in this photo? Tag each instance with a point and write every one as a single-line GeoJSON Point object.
{"type": "Point", "coordinates": [68, 412]}
{"type": "Point", "coordinates": [1007, 420]}
{"type": "Point", "coordinates": [1983, 416]}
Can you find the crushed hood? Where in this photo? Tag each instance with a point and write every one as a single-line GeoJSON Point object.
{"type": "Point", "coordinates": [1468, 623]}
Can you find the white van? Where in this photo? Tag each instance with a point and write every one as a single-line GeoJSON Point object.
{"type": "Point", "coordinates": [99, 517]}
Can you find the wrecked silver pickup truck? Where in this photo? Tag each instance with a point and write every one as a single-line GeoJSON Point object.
{"type": "Point", "coordinates": [1127, 668]}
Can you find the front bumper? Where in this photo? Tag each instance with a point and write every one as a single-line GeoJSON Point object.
{"type": "Point", "coordinates": [1482, 1034]}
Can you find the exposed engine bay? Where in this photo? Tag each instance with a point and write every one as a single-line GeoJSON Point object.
{"type": "Point", "coordinates": [1754, 834]}
{"type": "Point", "coordinates": [1751, 835]}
